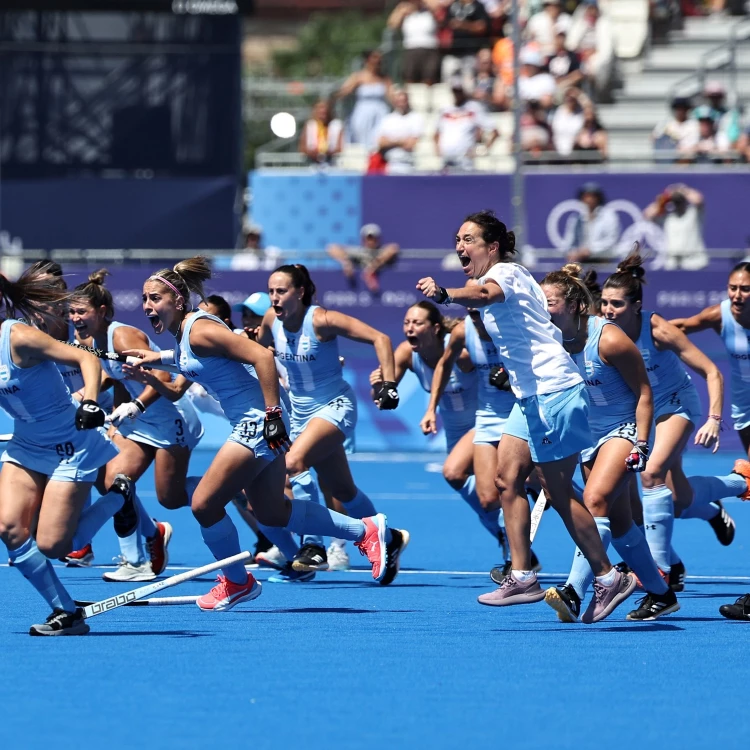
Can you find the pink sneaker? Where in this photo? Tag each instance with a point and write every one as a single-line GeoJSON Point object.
{"type": "Point", "coordinates": [226, 594]}
{"type": "Point", "coordinates": [372, 544]}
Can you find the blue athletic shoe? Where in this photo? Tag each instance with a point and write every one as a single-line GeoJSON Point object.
{"type": "Point", "coordinates": [287, 574]}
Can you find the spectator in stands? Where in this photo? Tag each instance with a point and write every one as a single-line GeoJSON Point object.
{"type": "Point", "coordinates": [485, 87]}
{"type": "Point", "coordinates": [564, 65]}
{"type": "Point", "coordinates": [543, 27]}
{"type": "Point", "coordinates": [372, 92]}
{"type": "Point", "coordinates": [591, 37]}
{"type": "Point", "coordinates": [469, 24]}
{"type": "Point", "coordinates": [592, 136]}
{"type": "Point", "coordinates": [679, 210]}
{"type": "Point", "coordinates": [322, 136]}
{"type": "Point", "coordinates": [534, 84]}
{"type": "Point", "coordinates": [568, 121]}
{"type": "Point", "coordinates": [743, 145]}
{"type": "Point", "coordinates": [398, 135]}
{"type": "Point", "coordinates": [592, 235]}
{"type": "Point", "coordinates": [460, 128]}
{"type": "Point", "coordinates": [502, 58]}
{"type": "Point", "coordinates": [255, 256]}
{"type": "Point", "coordinates": [371, 257]}
{"type": "Point", "coordinates": [536, 133]}
{"type": "Point", "coordinates": [709, 142]}
{"type": "Point", "coordinates": [418, 21]}
{"type": "Point", "coordinates": [678, 133]}
{"type": "Point", "coordinates": [727, 120]}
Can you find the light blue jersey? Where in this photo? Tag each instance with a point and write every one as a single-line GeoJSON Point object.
{"type": "Point", "coordinates": [493, 405]}
{"type": "Point", "coordinates": [612, 403]}
{"type": "Point", "coordinates": [674, 392]}
{"type": "Point", "coordinates": [45, 438]}
{"type": "Point", "coordinates": [164, 424]}
{"type": "Point", "coordinates": [317, 389]}
{"type": "Point", "coordinates": [458, 404]}
{"type": "Point", "coordinates": [233, 384]}
{"type": "Point", "coordinates": [737, 341]}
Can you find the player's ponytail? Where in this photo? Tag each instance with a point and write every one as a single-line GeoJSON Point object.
{"type": "Point", "coordinates": [300, 277]}
{"type": "Point", "coordinates": [95, 293]}
{"type": "Point", "coordinates": [31, 297]}
{"type": "Point", "coordinates": [630, 276]}
{"type": "Point", "coordinates": [568, 280]}
{"type": "Point", "coordinates": [184, 278]}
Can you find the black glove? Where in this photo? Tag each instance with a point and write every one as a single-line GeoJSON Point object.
{"type": "Point", "coordinates": [274, 431]}
{"type": "Point", "coordinates": [386, 395]}
{"type": "Point", "coordinates": [89, 415]}
{"type": "Point", "coordinates": [636, 461]}
{"type": "Point", "coordinates": [499, 378]}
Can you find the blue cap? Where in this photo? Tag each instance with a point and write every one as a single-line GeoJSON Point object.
{"type": "Point", "coordinates": [257, 302]}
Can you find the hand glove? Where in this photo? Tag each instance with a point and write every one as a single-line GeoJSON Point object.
{"type": "Point", "coordinates": [89, 415]}
{"type": "Point", "coordinates": [274, 431]}
{"type": "Point", "coordinates": [128, 410]}
{"type": "Point", "coordinates": [386, 395]}
{"type": "Point", "coordinates": [499, 378]}
{"type": "Point", "coordinates": [638, 457]}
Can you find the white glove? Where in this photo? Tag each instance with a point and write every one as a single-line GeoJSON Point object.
{"type": "Point", "coordinates": [129, 410]}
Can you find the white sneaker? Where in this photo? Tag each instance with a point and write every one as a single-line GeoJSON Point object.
{"type": "Point", "coordinates": [271, 558]}
{"type": "Point", "coordinates": [338, 559]}
{"type": "Point", "coordinates": [127, 571]}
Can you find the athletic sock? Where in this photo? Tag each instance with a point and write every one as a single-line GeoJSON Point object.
{"type": "Point", "coordinates": [92, 519]}
{"type": "Point", "coordinates": [312, 518]}
{"type": "Point", "coordinates": [223, 541]}
{"type": "Point", "coordinates": [608, 578]}
{"type": "Point", "coordinates": [190, 484]}
{"type": "Point", "coordinates": [674, 558]}
{"type": "Point", "coordinates": [282, 538]}
{"type": "Point", "coordinates": [523, 576]}
{"type": "Point", "coordinates": [581, 576]}
{"type": "Point", "coordinates": [489, 519]}
{"type": "Point", "coordinates": [633, 549]}
{"type": "Point", "coordinates": [706, 490]}
{"type": "Point", "coordinates": [306, 489]}
{"type": "Point", "coordinates": [38, 571]}
{"type": "Point", "coordinates": [360, 506]}
{"type": "Point", "coordinates": [146, 524]}
{"type": "Point", "coordinates": [131, 547]}
{"type": "Point", "coordinates": [658, 517]}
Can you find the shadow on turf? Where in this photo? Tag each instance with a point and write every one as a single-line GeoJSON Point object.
{"type": "Point", "coordinates": [173, 633]}
{"type": "Point", "coordinates": [326, 611]}
{"type": "Point", "coordinates": [636, 627]}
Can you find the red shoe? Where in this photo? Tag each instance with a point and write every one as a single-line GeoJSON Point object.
{"type": "Point", "coordinates": [226, 594]}
{"type": "Point", "coordinates": [157, 547]}
{"type": "Point", "coordinates": [372, 544]}
{"type": "Point", "coordinates": [80, 558]}
{"type": "Point", "coordinates": [743, 469]}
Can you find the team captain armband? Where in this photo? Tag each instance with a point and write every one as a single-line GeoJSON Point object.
{"type": "Point", "coordinates": [167, 356]}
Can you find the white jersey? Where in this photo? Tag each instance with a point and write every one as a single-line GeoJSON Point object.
{"type": "Point", "coordinates": [530, 345]}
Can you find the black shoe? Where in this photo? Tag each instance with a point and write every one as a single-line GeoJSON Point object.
{"type": "Point", "coordinates": [740, 610]}
{"type": "Point", "coordinates": [394, 548]}
{"type": "Point", "coordinates": [623, 567]}
{"type": "Point", "coordinates": [565, 601]}
{"type": "Point", "coordinates": [676, 577]}
{"type": "Point", "coordinates": [263, 544]}
{"type": "Point", "coordinates": [310, 557]}
{"type": "Point", "coordinates": [288, 575]}
{"type": "Point", "coordinates": [61, 622]}
{"type": "Point", "coordinates": [126, 519]}
{"type": "Point", "coordinates": [723, 526]}
{"type": "Point", "coordinates": [655, 605]}
{"type": "Point", "coordinates": [500, 572]}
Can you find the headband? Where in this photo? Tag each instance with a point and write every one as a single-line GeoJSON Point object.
{"type": "Point", "coordinates": [171, 286]}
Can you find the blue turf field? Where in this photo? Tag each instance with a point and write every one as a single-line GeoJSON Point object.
{"type": "Point", "coordinates": [343, 662]}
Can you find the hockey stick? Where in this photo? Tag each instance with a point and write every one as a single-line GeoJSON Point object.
{"type": "Point", "coordinates": [536, 513]}
{"type": "Point", "coordinates": [121, 600]}
{"type": "Point", "coordinates": [117, 357]}
{"type": "Point", "coordinates": [164, 601]}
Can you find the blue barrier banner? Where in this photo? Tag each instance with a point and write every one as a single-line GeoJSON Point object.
{"type": "Point", "coordinates": [672, 294]}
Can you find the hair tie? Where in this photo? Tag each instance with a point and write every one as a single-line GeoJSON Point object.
{"type": "Point", "coordinates": [171, 286]}
{"type": "Point", "coordinates": [634, 273]}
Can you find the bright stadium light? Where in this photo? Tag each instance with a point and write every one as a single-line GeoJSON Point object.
{"type": "Point", "coordinates": [283, 125]}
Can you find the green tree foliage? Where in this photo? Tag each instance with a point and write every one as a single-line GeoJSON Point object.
{"type": "Point", "coordinates": [328, 43]}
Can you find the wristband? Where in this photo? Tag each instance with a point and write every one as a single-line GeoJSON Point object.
{"type": "Point", "coordinates": [167, 356]}
{"type": "Point", "coordinates": [139, 404]}
{"type": "Point", "coordinates": [443, 297]}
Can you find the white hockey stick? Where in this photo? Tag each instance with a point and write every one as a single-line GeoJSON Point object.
{"type": "Point", "coordinates": [164, 601]}
{"type": "Point", "coordinates": [120, 600]}
{"type": "Point", "coordinates": [536, 513]}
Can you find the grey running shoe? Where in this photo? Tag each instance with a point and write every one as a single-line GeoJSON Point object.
{"type": "Point", "coordinates": [127, 571]}
{"type": "Point", "coordinates": [512, 591]}
{"type": "Point", "coordinates": [61, 622]}
{"type": "Point", "coordinates": [607, 598]}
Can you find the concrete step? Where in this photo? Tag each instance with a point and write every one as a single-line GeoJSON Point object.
{"type": "Point", "coordinates": [661, 85]}
{"type": "Point", "coordinates": [705, 29]}
{"type": "Point", "coordinates": [682, 58]}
